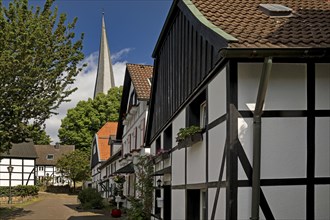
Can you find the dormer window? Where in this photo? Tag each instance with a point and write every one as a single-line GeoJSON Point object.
{"type": "Point", "coordinates": [50, 157]}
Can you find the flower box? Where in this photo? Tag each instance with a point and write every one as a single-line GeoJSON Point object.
{"type": "Point", "coordinates": [190, 140]}
{"type": "Point", "coordinates": [162, 155]}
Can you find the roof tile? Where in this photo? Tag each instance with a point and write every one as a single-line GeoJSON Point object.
{"type": "Point", "coordinates": [310, 22]}
{"type": "Point", "coordinates": [109, 129]}
{"type": "Point", "coordinates": [140, 75]}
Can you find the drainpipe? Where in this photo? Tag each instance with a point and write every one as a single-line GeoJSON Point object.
{"type": "Point", "coordinates": [263, 84]}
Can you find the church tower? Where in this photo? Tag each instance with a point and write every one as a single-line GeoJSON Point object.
{"type": "Point", "coordinates": [104, 78]}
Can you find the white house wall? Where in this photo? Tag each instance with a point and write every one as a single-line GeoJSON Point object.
{"type": "Point", "coordinates": [281, 93]}
{"type": "Point", "coordinates": [178, 163]}
{"type": "Point", "coordinates": [23, 172]}
{"type": "Point", "coordinates": [322, 202]}
{"type": "Point", "coordinates": [217, 141]}
{"type": "Point", "coordinates": [221, 205]}
{"type": "Point", "coordinates": [322, 147]}
{"type": "Point", "coordinates": [283, 147]}
{"type": "Point", "coordinates": [178, 202]}
{"type": "Point", "coordinates": [322, 86]}
{"type": "Point", "coordinates": [217, 96]}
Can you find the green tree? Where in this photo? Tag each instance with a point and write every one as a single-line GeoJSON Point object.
{"type": "Point", "coordinates": [75, 166]}
{"type": "Point", "coordinates": [38, 135]}
{"type": "Point", "coordinates": [39, 59]}
{"type": "Point", "coordinates": [82, 122]}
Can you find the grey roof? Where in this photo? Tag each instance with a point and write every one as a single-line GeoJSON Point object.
{"type": "Point", "coordinates": [44, 150]}
{"type": "Point", "coordinates": [21, 150]}
{"type": "Point", "coordinates": [104, 78]}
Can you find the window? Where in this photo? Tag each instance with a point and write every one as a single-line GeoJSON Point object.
{"type": "Point", "coordinates": [158, 145]}
{"type": "Point", "coordinates": [196, 111]}
{"type": "Point", "coordinates": [41, 168]}
{"type": "Point", "coordinates": [203, 115]}
{"type": "Point", "coordinates": [168, 138]}
{"type": "Point", "coordinates": [50, 157]}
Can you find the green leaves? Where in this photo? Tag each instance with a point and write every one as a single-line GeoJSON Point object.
{"type": "Point", "coordinates": [75, 165]}
{"type": "Point", "coordinates": [39, 60]}
{"type": "Point", "coordinates": [82, 122]}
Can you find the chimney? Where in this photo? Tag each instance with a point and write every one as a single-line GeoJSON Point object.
{"type": "Point", "coordinates": [57, 145]}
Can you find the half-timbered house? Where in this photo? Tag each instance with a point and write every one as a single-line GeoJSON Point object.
{"type": "Point", "coordinates": [101, 150]}
{"type": "Point", "coordinates": [47, 157]}
{"type": "Point", "coordinates": [255, 76]}
{"type": "Point", "coordinates": [21, 158]}
{"type": "Point", "coordinates": [131, 127]}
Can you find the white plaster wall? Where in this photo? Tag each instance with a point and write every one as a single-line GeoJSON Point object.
{"type": "Point", "coordinates": [178, 204]}
{"type": "Point", "coordinates": [287, 88]}
{"type": "Point", "coordinates": [221, 205]}
{"type": "Point", "coordinates": [322, 86]}
{"type": "Point", "coordinates": [29, 162]}
{"type": "Point", "coordinates": [244, 204]}
{"type": "Point", "coordinates": [178, 159]}
{"type": "Point", "coordinates": [217, 141]}
{"type": "Point", "coordinates": [286, 202]}
{"type": "Point", "coordinates": [196, 162]}
{"type": "Point", "coordinates": [16, 162]}
{"type": "Point", "coordinates": [322, 202]}
{"type": "Point", "coordinates": [217, 96]}
{"type": "Point", "coordinates": [4, 161]}
{"type": "Point", "coordinates": [322, 147]}
{"type": "Point", "coordinates": [283, 146]}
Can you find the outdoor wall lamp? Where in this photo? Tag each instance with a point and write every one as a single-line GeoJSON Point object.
{"type": "Point", "coordinates": [159, 183]}
{"type": "Point", "coordinates": [10, 170]}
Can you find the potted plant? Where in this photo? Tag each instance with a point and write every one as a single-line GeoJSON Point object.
{"type": "Point", "coordinates": [119, 180]}
{"type": "Point", "coordinates": [129, 157]}
{"type": "Point", "coordinates": [189, 136]}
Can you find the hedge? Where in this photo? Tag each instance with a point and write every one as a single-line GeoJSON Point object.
{"type": "Point", "coordinates": [20, 190]}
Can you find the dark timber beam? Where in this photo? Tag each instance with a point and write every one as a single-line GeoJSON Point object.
{"type": "Point", "coordinates": [263, 84]}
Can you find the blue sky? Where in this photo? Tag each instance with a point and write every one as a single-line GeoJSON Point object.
{"type": "Point", "coordinates": [134, 24]}
{"type": "Point", "coordinates": [133, 27]}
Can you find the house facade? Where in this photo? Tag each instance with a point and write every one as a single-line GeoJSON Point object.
{"type": "Point", "coordinates": [47, 157]}
{"type": "Point", "coordinates": [101, 151]}
{"type": "Point", "coordinates": [129, 141]}
{"type": "Point", "coordinates": [22, 159]}
{"type": "Point", "coordinates": [255, 78]}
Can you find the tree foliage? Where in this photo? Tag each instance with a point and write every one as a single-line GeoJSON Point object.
{"type": "Point", "coordinates": [39, 59]}
{"type": "Point", "coordinates": [38, 135]}
{"type": "Point", "coordinates": [75, 166]}
{"type": "Point", "coordinates": [141, 205]}
{"type": "Point", "coordinates": [82, 122]}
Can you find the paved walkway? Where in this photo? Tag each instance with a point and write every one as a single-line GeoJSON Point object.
{"type": "Point", "coordinates": [59, 207]}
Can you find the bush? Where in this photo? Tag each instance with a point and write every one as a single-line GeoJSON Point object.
{"type": "Point", "coordinates": [20, 190]}
{"type": "Point", "coordinates": [90, 199]}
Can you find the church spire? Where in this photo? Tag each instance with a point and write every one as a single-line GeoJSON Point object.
{"type": "Point", "coordinates": [104, 78]}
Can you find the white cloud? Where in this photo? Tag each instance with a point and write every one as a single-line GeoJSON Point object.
{"type": "Point", "coordinates": [120, 54]}
{"type": "Point", "coordinates": [85, 82]}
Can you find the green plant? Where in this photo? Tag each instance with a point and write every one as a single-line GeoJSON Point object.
{"type": "Point", "coordinates": [90, 199]}
{"type": "Point", "coordinates": [141, 205]}
{"type": "Point", "coordinates": [20, 190]}
{"type": "Point", "coordinates": [186, 132]}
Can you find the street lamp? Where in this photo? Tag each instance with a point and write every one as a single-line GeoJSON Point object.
{"type": "Point", "coordinates": [10, 170]}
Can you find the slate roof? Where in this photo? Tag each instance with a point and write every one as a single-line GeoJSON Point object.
{"type": "Point", "coordinates": [58, 152]}
{"type": "Point", "coordinates": [109, 129]}
{"type": "Point", "coordinates": [307, 27]}
{"type": "Point", "coordinates": [22, 150]}
{"type": "Point", "coordinates": [139, 75]}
